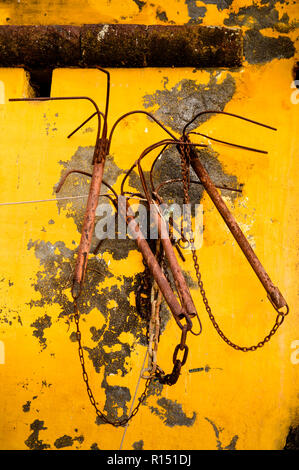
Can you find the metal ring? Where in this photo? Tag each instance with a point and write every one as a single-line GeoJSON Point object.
{"type": "Point", "coordinates": [180, 243]}
{"type": "Point", "coordinates": [200, 325]}
{"type": "Point", "coordinates": [177, 348]}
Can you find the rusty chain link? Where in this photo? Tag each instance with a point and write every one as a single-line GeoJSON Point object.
{"type": "Point", "coordinates": [172, 378]}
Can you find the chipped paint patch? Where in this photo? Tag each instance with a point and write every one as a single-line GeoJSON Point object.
{"type": "Point", "coordinates": [217, 431]}
{"type": "Point", "coordinates": [195, 12]}
{"type": "Point", "coordinates": [261, 49]}
{"type": "Point", "coordinates": [67, 441]}
{"type": "Point", "coordinates": [40, 324]}
{"type": "Point", "coordinates": [292, 440]}
{"type": "Point", "coordinates": [172, 414]}
{"type": "Point", "coordinates": [259, 17]}
{"type": "Point", "coordinates": [177, 106]}
{"type": "Point", "coordinates": [138, 445]}
{"type": "Point", "coordinates": [33, 441]}
{"type": "Point", "coordinates": [26, 406]}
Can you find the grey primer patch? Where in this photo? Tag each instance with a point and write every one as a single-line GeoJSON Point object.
{"type": "Point", "coordinates": [261, 17]}
{"type": "Point", "coordinates": [292, 440]}
{"type": "Point", "coordinates": [33, 441]}
{"type": "Point", "coordinates": [260, 49]}
{"type": "Point", "coordinates": [172, 413]}
{"type": "Point", "coordinates": [195, 12]}
{"type": "Point", "coordinates": [138, 445]}
{"type": "Point", "coordinates": [115, 397]}
{"type": "Point", "coordinates": [67, 441]}
{"type": "Point", "coordinates": [78, 185]}
{"type": "Point", "coordinates": [221, 4]}
{"type": "Point", "coordinates": [181, 103]}
{"type": "Point", "coordinates": [40, 324]}
{"type": "Point", "coordinates": [230, 446]}
{"type": "Point", "coordinates": [169, 167]}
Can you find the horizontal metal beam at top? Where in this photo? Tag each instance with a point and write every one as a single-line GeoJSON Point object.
{"type": "Point", "coordinates": [120, 45]}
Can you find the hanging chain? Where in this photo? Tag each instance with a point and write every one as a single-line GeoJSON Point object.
{"type": "Point", "coordinates": [100, 414]}
{"type": "Point", "coordinates": [172, 378]}
{"type": "Point", "coordinates": [153, 370]}
{"type": "Point", "coordinates": [185, 159]}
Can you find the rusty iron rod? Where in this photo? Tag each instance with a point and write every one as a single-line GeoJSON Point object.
{"type": "Point", "coordinates": [151, 262]}
{"type": "Point", "coordinates": [274, 294]}
{"type": "Point", "coordinates": [120, 45]}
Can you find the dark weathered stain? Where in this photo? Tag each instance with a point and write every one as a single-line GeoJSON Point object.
{"type": "Point", "coordinates": [33, 441]}
{"type": "Point", "coordinates": [217, 430]}
{"type": "Point", "coordinates": [140, 4]}
{"type": "Point", "coordinates": [67, 441]}
{"type": "Point", "coordinates": [26, 406]}
{"type": "Point", "coordinates": [64, 441]}
{"type": "Point", "coordinates": [292, 440]}
{"type": "Point", "coordinates": [161, 14]}
{"type": "Point", "coordinates": [261, 49]}
{"type": "Point", "coordinates": [8, 315]}
{"type": "Point", "coordinates": [172, 414]}
{"type": "Point", "coordinates": [178, 105]}
{"type": "Point", "coordinates": [138, 445]}
{"type": "Point", "coordinates": [94, 446]}
{"type": "Point", "coordinates": [40, 324]}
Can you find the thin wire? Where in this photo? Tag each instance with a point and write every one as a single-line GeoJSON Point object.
{"type": "Point", "coordinates": [41, 200]}
{"type": "Point", "coordinates": [133, 401]}
{"type": "Point", "coordinates": [61, 199]}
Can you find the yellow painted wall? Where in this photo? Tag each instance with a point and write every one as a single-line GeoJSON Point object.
{"type": "Point", "coordinates": [235, 400]}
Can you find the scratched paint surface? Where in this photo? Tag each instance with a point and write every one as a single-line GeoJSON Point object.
{"type": "Point", "coordinates": [224, 399]}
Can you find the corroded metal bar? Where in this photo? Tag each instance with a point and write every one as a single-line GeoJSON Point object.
{"type": "Point", "coordinates": [120, 45]}
{"type": "Point", "coordinates": [151, 261]}
{"type": "Point", "coordinates": [179, 279]}
{"type": "Point", "coordinates": [88, 227]}
{"type": "Point", "coordinates": [273, 292]}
